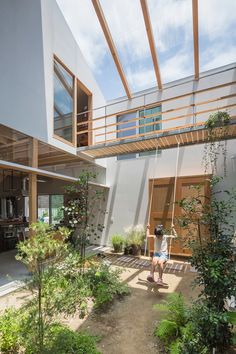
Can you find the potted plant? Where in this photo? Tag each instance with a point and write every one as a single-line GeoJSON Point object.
{"type": "Point", "coordinates": [135, 239]}
{"type": "Point", "coordinates": [217, 119]}
{"type": "Point", "coordinates": [117, 242]}
{"type": "Point", "coordinates": [217, 126]}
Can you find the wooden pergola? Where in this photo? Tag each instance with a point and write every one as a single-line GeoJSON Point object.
{"type": "Point", "coordinates": [154, 54]}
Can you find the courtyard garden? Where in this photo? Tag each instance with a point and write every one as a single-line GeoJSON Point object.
{"type": "Point", "coordinates": [104, 304]}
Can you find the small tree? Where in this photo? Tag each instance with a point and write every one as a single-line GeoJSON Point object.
{"type": "Point", "coordinates": [213, 257]}
{"type": "Point", "coordinates": [55, 290]}
{"type": "Point", "coordinates": [83, 210]}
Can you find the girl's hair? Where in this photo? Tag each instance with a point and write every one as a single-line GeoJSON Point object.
{"type": "Point", "coordinates": [159, 230]}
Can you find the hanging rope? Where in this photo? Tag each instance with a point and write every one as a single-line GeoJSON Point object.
{"type": "Point", "coordinates": [174, 199]}
{"type": "Point", "coordinates": [151, 197]}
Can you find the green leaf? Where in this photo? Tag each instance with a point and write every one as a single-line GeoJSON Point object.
{"type": "Point", "coordinates": [232, 317]}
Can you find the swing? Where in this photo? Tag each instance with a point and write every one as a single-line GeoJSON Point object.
{"type": "Point", "coordinates": [174, 200]}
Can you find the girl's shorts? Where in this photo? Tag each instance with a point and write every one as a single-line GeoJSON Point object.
{"type": "Point", "coordinates": [162, 256]}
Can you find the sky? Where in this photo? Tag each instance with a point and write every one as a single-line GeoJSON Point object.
{"type": "Point", "coordinates": [172, 28]}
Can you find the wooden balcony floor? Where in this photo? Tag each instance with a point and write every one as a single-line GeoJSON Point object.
{"type": "Point", "coordinates": [192, 135]}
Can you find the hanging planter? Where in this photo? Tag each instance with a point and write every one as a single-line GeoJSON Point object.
{"type": "Point", "coordinates": [217, 126]}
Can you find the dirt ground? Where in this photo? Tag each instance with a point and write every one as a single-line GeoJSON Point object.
{"type": "Point", "coordinates": [127, 325]}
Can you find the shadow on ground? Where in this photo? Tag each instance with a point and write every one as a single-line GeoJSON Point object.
{"type": "Point", "coordinates": [127, 326]}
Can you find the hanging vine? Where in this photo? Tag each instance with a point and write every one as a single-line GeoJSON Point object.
{"type": "Point", "coordinates": [217, 127]}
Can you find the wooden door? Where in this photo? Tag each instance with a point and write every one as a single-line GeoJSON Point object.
{"type": "Point", "coordinates": [161, 191]}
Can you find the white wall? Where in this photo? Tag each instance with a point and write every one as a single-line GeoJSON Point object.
{"type": "Point", "coordinates": [58, 39]}
{"type": "Point", "coordinates": [22, 90]}
{"type": "Point", "coordinates": [128, 199]}
{"type": "Point", "coordinates": [30, 33]}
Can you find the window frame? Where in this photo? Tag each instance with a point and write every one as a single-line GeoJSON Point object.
{"type": "Point", "coordinates": [55, 136]}
{"type": "Point", "coordinates": [137, 127]}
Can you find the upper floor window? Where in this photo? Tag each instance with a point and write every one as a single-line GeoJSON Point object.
{"type": "Point", "coordinates": [63, 102]}
{"type": "Point", "coordinates": [129, 126]}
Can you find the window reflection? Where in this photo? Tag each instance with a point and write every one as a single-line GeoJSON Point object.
{"type": "Point", "coordinates": [145, 124]}
{"type": "Point", "coordinates": [63, 102]}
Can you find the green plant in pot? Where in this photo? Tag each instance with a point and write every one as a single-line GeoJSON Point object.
{"type": "Point", "coordinates": [117, 242]}
{"type": "Point", "coordinates": [217, 119]}
{"type": "Point", "coordinates": [135, 239]}
{"type": "Point", "coordinates": [217, 126]}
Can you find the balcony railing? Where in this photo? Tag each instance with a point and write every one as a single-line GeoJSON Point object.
{"type": "Point", "coordinates": [181, 114]}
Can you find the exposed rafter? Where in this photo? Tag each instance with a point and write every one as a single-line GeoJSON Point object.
{"type": "Point", "coordinates": [148, 26]}
{"type": "Point", "coordinates": [195, 38]}
{"type": "Point", "coordinates": [111, 44]}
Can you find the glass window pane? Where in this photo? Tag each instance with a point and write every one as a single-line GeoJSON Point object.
{"type": "Point", "coordinates": [63, 102]}
{"type": "Point", "coordinates": [124, 118]}
{"type": "Point", "coordinates": [152, 127]}
{"type": "Point", "coordinates": [43, 208]}
{"type": "Point", "coordinates": [57, 202]}
{"type": "Point", "coordinates": [66, 76]}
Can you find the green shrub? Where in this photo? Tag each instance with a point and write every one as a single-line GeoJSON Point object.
{"type": "Point", "coordinates": [213, 323]}
{"type": "Point", "coordinates": [105, 284]}
{"type": "Point", "coordinates": [191, 341]}
{"type": "Point", "coordinates": [167, 330]}
{"type": "Point", "coordinates": [178, 330]}
{"type": "Point", "coordinates": [117, 242]}
{"type": "Point", "coordinates": [217, 119]}
{"type": "Point", "coordinates": [175, 308]}
{"type": "Point", "coordinates": [135, 236]}
{"type": "Point", "coordinates": [10, 338]}
{"type": "Point", "coordinates": [213, 256]}
{"type": "Point", "coordinates": [61, 340]}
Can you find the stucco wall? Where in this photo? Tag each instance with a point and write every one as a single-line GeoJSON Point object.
{"type": "Point", "coordinates": [128, 199]}
{"type": "Point", "coordinates": [30, 33]}
{"type": "Point", "coordinates": [58, 39]}
{"type": "Point", "coordinates": [22, 86]}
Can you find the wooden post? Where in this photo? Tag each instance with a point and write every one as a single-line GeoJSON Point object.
{"type": "Point", "coordinates": [33, 184]}
{"type": "Point", "coordinates": [74, 116]}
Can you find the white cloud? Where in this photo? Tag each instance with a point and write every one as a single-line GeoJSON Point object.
{"type": "Point", "coordinates": [218, 56]}
{"type": "Point", "coordinates": [176, 67]}
{"type": "Point", "coordinates": [171, 21]}
{"type": "Point", "coordinates": [172, 27]}
{"type": "Point", "coordinates": [217, 18]}
{"type": "Point", "coordinates": [142, 78]}
{"type": "Point", "coordinates": [84, 25]}
{"type": "Point", "coordinates": [127, 27]}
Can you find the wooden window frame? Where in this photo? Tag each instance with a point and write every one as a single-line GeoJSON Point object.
{"type": "Point", "coordinates": [90, 111]}
{"type": "Point", "coordinates": [74, 114]}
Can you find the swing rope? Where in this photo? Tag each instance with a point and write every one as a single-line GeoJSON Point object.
{"type": "Point", "coordinates": [151, 197]}
{"type": "Point", "coordinates": [174, 199]}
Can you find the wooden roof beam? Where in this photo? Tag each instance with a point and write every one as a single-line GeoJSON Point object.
{"type": "Point", "coordinates": [111, 44]}
{"type": "Point", "coordinates": [148, 26]}
{"type": "Point", "coordinates": [195, 38]}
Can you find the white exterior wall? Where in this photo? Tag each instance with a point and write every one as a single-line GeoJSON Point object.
{"type": "Point", "coordinates": [30, 33]}
{"type": "Point", "coordinates": [58, 40]}
{"type": "Point", "coordinates": [128, 200]}
{"type": "Point", "coordinates": [22, 86]}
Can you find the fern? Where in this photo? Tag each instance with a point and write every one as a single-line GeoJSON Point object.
{"type": "Point", "coordinates": [175, 308]}
{"type": "Point", "coordinates": [166, 330]}
{"type": "Point", "coordinates": [176, 347]}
